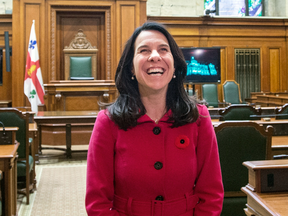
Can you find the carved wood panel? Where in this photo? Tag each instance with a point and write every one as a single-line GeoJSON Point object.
{"type": "Point", "coordinates": [92, 25]}
{"type": "Point", "coordinates": [66, 21]}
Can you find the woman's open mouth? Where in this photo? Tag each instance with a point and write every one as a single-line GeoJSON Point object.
{"type": "Point", "coordinates": [155, 71]}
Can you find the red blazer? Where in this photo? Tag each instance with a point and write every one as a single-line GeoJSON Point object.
{"type": "Point", "coordinates": [151, 161]}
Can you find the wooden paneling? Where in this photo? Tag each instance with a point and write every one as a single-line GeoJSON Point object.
{"type": "Point", "coordinates": [93, 26]}
{"type": "Point", "coordinates": [115, 20]}
{"type": "Point", "coordinates": [265, 34]}
{"type": "Point", "coordinates": [60, 20]}
{"type": "Point", "coordinates": [23, 14]}
{"type": "Point", "coordinates": [6, 86]}
{"type": "Point", "coordinates": [65, 23]}
{"type": "Point", "coordinates": [127, 19]}
{"type": "Point", "coordinates": [54, 134]}
{"type": "Point", "coordinates": [274, 70]}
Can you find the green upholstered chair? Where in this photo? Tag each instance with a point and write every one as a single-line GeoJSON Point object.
{"type": "Point", "coordinates": [81, 68]}
{"type": "Point", "coordinates": [12, 117]}
{"type": "Point", "coordinates": [210, 95]}
{"type": "Point", "coordinates": [240, 141]}
{"type": "Point", "coordinates": [231, 92]}
{"type": "Point", "coordinates": [239, 112]}
{"type": "Point", "coordinates": [283, 111]}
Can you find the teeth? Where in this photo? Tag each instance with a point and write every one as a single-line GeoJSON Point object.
{"type": "Point", "coordinates": [155, 70]}
{"type": "Point", "coordinates": [155, 74]}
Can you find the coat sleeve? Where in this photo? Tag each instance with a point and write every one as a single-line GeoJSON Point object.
{"type": "Point", "coordinates": [208, 186]}
{"type": "Point", "coordinates": [100, 168]}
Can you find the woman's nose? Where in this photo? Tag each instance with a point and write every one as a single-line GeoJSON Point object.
{"type": "Point", "coordinates": [154, 56]}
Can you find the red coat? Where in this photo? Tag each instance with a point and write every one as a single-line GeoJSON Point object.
{"type": "Point", "coordinates": [132, 168]}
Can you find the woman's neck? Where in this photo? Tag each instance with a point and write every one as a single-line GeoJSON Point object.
{"type": "Point", "coordinates": [155, 106]}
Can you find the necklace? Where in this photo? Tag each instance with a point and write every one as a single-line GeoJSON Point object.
{"type": "Point", "coordinates": [157, 120]}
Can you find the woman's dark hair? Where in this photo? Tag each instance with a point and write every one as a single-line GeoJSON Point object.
{"type": "Point", "coordinates": [128, 107]}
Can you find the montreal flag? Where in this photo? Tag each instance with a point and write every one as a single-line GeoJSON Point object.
{"type": "Point", "coordinates": [33, 83]}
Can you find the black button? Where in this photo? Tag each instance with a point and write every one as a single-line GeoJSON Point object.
{"type": "Point", "coordinates": [158, 165]}
{"type": "Point", "coordinates": [160, 198]}
{"type": "Point", "coordinates": [156, 130]}
{"type": "Point", "coordinates": [182, 141]}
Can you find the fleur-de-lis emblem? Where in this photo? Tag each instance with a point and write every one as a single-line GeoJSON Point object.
{"type": "Point", "coordinates": [32, 44]}
{"type": "Point", "coordinates": [32, 94]}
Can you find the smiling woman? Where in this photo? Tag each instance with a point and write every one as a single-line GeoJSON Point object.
{"type": "Point", "coordinates": [153, 63]}
{"type": "Point", "coordinates": [153, 151]}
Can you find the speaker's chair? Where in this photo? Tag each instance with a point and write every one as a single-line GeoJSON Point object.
{"type": "Point", "coordinates": [80, 59]}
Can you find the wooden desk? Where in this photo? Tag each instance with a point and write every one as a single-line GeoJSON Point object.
{"type": "Point", "coordinates": [73, 95]}
{"type": "Point", "coordinates": [253, 96]}
{"type": "Point", "coordinates": [5, 103]}
{"type": "Point", "coordinates": [68, 118]}
{"type": "Point", "coordinates": [268, 204]}
{"type": "Point", "coordinates": [33, 133]}
{"type": "Point", "coordinates": [8, 164]}
{"type": "Point", "coordinates": [279, 145]}
{"type": "Point", "coordinates": [272, 100]}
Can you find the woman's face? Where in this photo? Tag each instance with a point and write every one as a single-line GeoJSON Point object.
{"type": "Point", "coordinates": [153, 63]}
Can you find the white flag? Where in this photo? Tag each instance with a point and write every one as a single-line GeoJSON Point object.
{"type": "Point", "coordinates": [33, 83]}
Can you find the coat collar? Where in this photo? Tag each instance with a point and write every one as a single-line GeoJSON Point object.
{"type": "Point", "coordinates": [146, 118]}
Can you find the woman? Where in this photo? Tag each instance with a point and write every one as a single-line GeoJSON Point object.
{"type": "Point", "coordinates": [154, 151]}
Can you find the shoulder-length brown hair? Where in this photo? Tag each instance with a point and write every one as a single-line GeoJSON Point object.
{"type": "Point", "coordinates": [128, 107]}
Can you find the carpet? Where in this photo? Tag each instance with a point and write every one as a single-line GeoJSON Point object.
{"type": "Point", "coordinates": [61, 191]}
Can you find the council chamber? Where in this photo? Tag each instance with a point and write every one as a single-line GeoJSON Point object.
{"type": "Point", "coordinates": [236, 66]}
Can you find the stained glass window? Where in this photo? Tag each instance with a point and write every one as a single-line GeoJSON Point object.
{"type": "Point", "coordinates": [209, 4]}
{"type": "Point", "coordinates": [235, 7]}
{"type": "Point", "coordinates": [255, 7]}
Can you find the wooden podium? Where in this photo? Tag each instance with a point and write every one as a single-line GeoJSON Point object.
{"type": "Point", "coordinates": [8, 164]}
{"type": "Point", "coordinates": [78, 95]}
{"type": "Point", "coordinates": [267, 191]}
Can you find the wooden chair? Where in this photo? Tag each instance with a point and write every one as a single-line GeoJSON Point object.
{"type": "Point", "coordinates": [239, 112]}
{"type": "Point", "coordinates": [283, 110]}
{"type": "Point", "coordinates": [12, 117]}
{"type": "Point", "coordinates": [231, 92]}
{"type": "Point", "coordinates": [240, 141]}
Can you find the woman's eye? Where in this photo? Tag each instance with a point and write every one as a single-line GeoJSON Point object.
{"type": "Point", "coordinates": [143, 50]}
{"type": "Point", "coordinates": [164, 49]}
